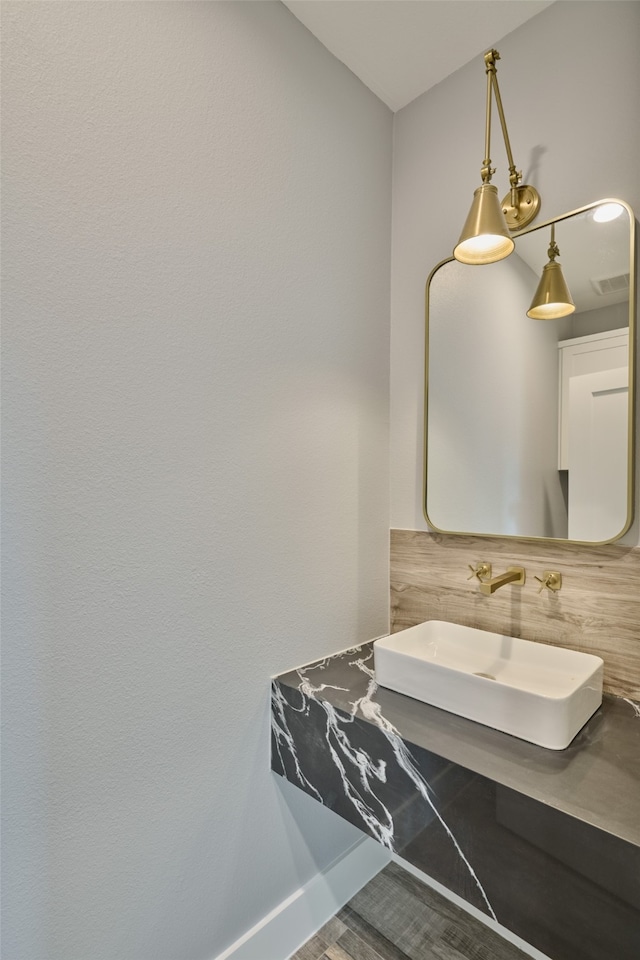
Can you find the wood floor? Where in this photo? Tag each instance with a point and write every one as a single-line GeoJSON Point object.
{"type": "Point", "coordinates": [395, 917]}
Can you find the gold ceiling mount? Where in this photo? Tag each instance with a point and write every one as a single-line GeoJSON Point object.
{"type": "Point", "coordinates": [486, 235]}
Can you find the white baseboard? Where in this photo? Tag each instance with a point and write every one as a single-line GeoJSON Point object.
{"type": "Point", "coordinates": [296, 919]}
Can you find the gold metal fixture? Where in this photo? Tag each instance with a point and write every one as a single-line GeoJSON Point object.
{"type": "Point", "coordinates": [485, 236]}
{"type": "Point", "coordinates": [515, 575]}
{"type": "Point", "coordinates": [481, 570]}
{"type": "Point", "coordinates": [550, 579]}
{"type": "Point", "coordinates": [552, 298]}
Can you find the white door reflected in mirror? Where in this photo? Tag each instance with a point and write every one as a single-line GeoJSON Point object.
{"type": "Point", "coordinates": [598, 426]}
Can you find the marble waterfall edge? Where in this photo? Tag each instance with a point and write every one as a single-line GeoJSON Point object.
{"type": "Point", "coordinates": [366, 779]}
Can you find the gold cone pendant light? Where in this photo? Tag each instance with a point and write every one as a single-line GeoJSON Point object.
{"type": "Point", "coordinates": [552, 298]}
{"type": "Point", "coordinates": [486, 236]}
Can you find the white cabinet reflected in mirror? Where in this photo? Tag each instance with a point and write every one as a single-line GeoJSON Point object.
{"type": "Point", "coordinates": [529, 422]}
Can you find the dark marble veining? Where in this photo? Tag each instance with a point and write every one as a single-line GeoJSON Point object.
{"type": "Point", "coordinates": [546, 842]}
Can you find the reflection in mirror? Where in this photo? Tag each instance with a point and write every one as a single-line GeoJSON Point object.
{"type": "Point", "coordinates": [528, 421]}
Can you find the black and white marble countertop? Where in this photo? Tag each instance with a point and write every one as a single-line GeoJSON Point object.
{"type": "Point", "coordinates": [545, 842]}
{"type": "Point", "coordinates": [596, 779]}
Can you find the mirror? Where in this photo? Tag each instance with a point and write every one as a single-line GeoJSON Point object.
{"type": "Point", "coordinates": [529, 422]}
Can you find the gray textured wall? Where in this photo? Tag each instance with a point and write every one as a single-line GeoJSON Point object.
{"type": "Point", "coordinates": [196, 321]}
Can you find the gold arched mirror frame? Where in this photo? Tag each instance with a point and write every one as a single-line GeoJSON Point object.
{"type": "Point", "coordinates": [493, 394]}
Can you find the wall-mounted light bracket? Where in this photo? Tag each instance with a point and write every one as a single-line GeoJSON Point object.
{"type": "Point", "coordinates": [525, 209]}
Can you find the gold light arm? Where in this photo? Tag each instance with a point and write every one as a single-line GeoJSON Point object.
{"type": "Point", "coordinates": [486, 171]}
{"type": "Point", "coordinates": [515, 176]}
{"type": "Point", "coordinates": [523, 202]}
{"type": "Point", "coordinates": [486, 234]}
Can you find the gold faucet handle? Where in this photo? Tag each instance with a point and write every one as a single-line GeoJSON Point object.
{"type": "Point", "coordinates": [550, 579]}
{"type": "Point", "coordinates": [481, 571]}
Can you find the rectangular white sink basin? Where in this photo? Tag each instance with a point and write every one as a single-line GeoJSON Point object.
{"type": "Point", "coordinates": [539, 693]}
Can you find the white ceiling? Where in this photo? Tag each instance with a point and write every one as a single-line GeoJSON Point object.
{"type": "Point", "coordinates": [400, 48]}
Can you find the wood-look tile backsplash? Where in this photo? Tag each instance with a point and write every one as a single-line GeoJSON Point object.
{"type": "Point", "coordinates": [596, 611]}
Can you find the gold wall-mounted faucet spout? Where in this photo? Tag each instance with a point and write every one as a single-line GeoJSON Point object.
{"type": "Point", "coordinates": [514, 575]}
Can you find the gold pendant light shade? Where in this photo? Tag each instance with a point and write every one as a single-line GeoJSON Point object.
{"type": "Point", "coordinates": [485, 236]}
{"type": "Point", "coordinates": [552, 298]}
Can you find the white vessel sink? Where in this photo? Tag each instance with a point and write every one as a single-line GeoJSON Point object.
{"type": "Point", "coordinates": [533, 691]}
